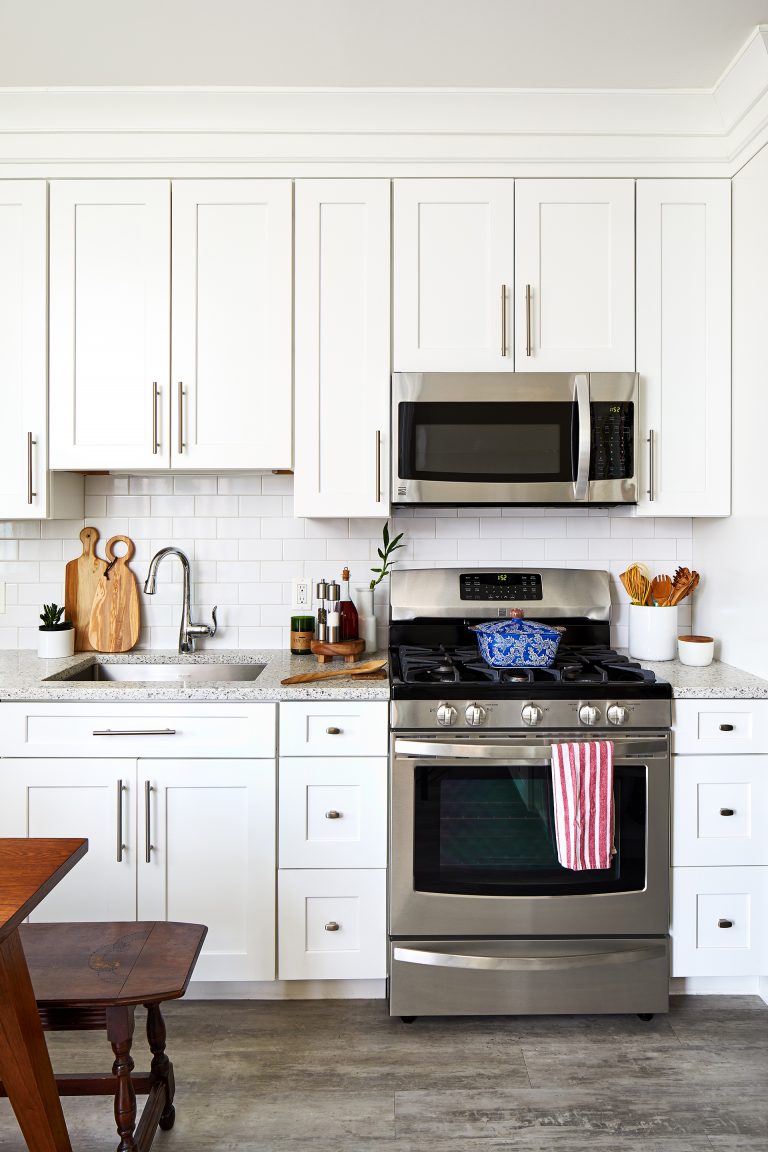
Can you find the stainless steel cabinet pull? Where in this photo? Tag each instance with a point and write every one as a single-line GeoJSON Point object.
{"type": "Point", "coordinates": [147, 821]}
{"type": "Point", "coordinates": [726, 727]}
{"type": "Point", "coordinates": [726, 811]}
{"type": "Point", "coordinates": [333, 815]}
{"type": "Point", "coordinates": [651, 464]}
{"type": "Point", "coordinates": [333, 731]}
{"type": "Point", "coordinates": [725, 923]}
{"type": "Point", "coordinates": [155, 397]}
{"type": "Point", "coordinates": [120, 789]}
{"type": "Point", "coordinates": [528, 326]}
{"type": "Point", "coordinates": [377, 488]}
{"type": "Point", "coordinates": [30, 494]}
{"type": "Point", "coordinates": [503, 319]}
{"type": "Point", "coordinates": [134, 732]}
{"type": "Point", "coordinates": [332, 926]}
{"type": "Point", "coordinates": [181, 418]}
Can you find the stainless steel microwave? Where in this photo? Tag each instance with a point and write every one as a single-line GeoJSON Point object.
{"type": "Point", "coordinates": [514, 438]}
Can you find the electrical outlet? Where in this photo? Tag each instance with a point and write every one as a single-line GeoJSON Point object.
{"type": "Point", "coordinates": [302, 594]}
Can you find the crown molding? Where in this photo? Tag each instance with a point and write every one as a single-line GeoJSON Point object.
{"type": "Point", "coordinates": [79, 131]}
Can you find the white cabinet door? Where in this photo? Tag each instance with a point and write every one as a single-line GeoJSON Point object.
{"type": "Point", "coordinates": [719, 921]}
{"type": "Point", "coordinates": [342, 347]}
{"type": "Point", "coordinates": [209, 832]}
{"type": "Point", "coordinates": [110, 269]}
{"type": "Point", "coordinates": [574, 304]}
{"type": "Point", "coordinates": [684, 346]}
{"type": "Point", "coordinates": [454, 269]}
{"type": "Point", "coordinates": [23, 334]}
{"type": "Point", "coordinates": [231, 330]}
{"type": "Point", "coordinates": [96, 800]}
{"type": "Point", "coordinates": [720, 810]}
{"type": "Point", "coordinates": [332, 924]}
{"type": "Point", "coordinates": [333, 812]}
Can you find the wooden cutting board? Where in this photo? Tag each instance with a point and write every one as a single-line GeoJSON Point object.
{"type": "Point", "coordinates": [81, 580]}
{"type": "Point", "coordinates": [115, 615]}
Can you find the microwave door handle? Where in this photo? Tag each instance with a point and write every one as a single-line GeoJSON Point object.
{"type": "Point", "coordinates": [581, 397]}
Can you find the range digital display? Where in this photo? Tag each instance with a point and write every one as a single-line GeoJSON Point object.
{"type": "Point", "coordinates": [500, 586]}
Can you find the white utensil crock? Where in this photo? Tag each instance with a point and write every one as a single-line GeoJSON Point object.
{"type": "Point", "coordinates": [652, 632]}
{"type": "Point", "coordinates": [366, 616]}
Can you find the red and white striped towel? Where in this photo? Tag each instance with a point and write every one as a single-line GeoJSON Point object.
{"type": "Point", "coordinates": [582, 783]}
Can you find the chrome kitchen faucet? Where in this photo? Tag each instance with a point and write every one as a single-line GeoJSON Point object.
{"type": "Point", "coordinates": [188, 632]}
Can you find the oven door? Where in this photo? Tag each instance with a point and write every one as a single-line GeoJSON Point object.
{"type": "Point", "coordinates": [473, 849]}
{"type": "Point", "coordinates": [520, 439]}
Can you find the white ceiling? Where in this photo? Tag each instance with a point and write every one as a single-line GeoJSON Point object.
{"type": "Point", "coordinates": [374, 43]}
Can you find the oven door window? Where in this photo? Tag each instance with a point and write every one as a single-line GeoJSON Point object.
{"type": "Point", "coordinates": [490, 831]}
{"type": "Point", "coordinates": [503, 443]}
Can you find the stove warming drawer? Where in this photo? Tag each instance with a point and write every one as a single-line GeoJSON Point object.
{"type": "Point", "coordinates": [535, 976]}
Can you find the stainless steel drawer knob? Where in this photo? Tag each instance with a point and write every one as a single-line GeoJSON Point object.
{"type": "Point", "coordinates": [333, 815]}
{"type": "Point", "coordinates": [726, 727]}
{"type": "Point", "coordinates": [333, 731]}
{"type": "Point", "coordinates": [725, 923]}
{"type": "Point", "coordinates": [332, 926]}
{"type": "Point", "coordinates": [726, 811]}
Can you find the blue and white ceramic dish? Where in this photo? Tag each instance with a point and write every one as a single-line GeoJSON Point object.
{"type": "Point", "coordinates": [517, 643]}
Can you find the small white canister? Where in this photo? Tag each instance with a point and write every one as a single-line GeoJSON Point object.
{"type": "Point", "coordinates": [695, 650]}
{"type": "Point", "coordinates": [652, 632]}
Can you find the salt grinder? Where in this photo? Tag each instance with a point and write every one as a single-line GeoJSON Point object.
{"type": "Point", "coordinates": [334, 616]}
{"type": "Point", "coordinates": [321, 594]}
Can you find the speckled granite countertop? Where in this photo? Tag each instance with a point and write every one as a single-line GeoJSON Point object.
{"type": "Point", "coordinates": [23, 676]}
{"type": "Point", "coordinates": [716, 681]}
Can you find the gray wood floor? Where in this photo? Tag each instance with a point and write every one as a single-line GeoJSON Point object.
{"type": "Point", "coordinates": [341, 1076]}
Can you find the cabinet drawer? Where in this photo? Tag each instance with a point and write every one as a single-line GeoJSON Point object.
{"type": "Point", "coordinates": [333, 728]}
{"type": "Point", "coordinates": [332, 924]}
{"type": "Point", "coordinates": [720, 726]}
{"type": "Point", "coordinates": [719, 921]}
{"type": "Point", "coordinates": [720, 810]}
{"type": "Point", "coordinates": [107, 730]}
{"type": "Point", "coordinates": [333, 813]}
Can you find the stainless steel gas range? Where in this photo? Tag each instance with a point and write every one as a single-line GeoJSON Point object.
{"type": "Point", "coordinates": [482, 917]}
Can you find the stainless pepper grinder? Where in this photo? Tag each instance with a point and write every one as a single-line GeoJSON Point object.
{"type": "Point", "coordinates": [334, 616]}
{"type": "Point", "coordinates": [321, 594]}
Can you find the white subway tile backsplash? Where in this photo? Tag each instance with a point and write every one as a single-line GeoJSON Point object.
{"type": "Point", "coordinates": [246, 546]}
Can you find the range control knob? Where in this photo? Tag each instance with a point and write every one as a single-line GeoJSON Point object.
{"type": "Point", "coordinates": [446, 715]}
{"type": "Point", "coordinates": [475, 715]}
{"type": "Point", "coordinates": [531, 714]}
{"type": "Point", "coordinates": [617, 714]}
{"type": "Point", "coordinates": [588, 714]}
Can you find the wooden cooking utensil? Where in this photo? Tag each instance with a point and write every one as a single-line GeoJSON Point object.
{"type": "Point", "coordinates": [661, 589]}
{"type": "Point", "coordinates": [637, 581]}
{"type": "Point", "coordinates": [115, 616]}
{"type": "Point", "coordinates": [81, 579]}
{"type": "Point", "coordinates": [361, 669]}
{"type": "Point", "coordinates": [685, 587]}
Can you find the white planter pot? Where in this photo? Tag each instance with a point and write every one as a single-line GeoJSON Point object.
{"type": "Point", "coordinates": [56, 644]}
{"type": "Point", "coordinates": [652, 632]}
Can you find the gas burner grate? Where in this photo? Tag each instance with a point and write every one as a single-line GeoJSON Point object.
{"type": "Point", "coordinates": [588, 664]}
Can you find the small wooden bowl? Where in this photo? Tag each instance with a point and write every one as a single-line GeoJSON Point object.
{"type": "Point", "coordinates": [348, 649]}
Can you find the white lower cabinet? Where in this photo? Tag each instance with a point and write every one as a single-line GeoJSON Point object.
{"type": "Point", "coordinates": [719, 848]}
{"type": "Point", "coordinates": [333, 813]}
{"type": "Point", "coordinates": [169, 838]}
{"type": "Point", "coordinates": [332, 924]}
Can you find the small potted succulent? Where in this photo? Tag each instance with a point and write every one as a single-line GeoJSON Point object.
{"type": "Point", "coordinates": [56, 636]}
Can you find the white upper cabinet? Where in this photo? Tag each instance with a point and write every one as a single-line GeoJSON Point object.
{"type": "Point", "coordinates": [454, 270]}
{"type": "Point", "coordinates": [574, 306]}
{"type": "Point", "coordinates": [26, 489]}
{"type": "Point", "coordinates": [231, 330]}
{"type": "Point", "coordinates": [110, 291]}
{"type": "Point", "coordinates": [684, 346]}
{"type": "Point", "coordinates": [342, 348]}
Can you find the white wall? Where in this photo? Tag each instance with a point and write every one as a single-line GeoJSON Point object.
{"type": "Point", "coordinates": [732, 554]}
{"type": "Point", "coordinates": [246, 545]}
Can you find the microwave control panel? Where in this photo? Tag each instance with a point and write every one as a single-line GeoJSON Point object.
{"type": "Point", "coordinates": [613, 455]}
{"type": "Point", "coordinates": [500, 586]}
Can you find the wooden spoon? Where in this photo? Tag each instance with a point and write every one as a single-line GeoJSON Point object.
{"type": "Point", "coordinates": [661, 589]}
{"type": "Point", "coordinates": [349, 670]}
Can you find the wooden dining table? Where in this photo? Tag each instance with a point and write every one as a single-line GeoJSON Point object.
{"type": "Point", "coordinates": [29, 869]}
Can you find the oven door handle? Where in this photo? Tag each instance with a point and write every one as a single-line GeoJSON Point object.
{"type": "Point", "coordinates": [647, 749]}
{"type": "Point", "coordinates": [529, 963]}
{"type": "Point", "coordinates": [581, 396]}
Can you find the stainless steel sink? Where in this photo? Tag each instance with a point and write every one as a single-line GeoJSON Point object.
{"type": "Point", "coordinates": [163, 673]}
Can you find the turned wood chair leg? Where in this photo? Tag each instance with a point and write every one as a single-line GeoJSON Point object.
{"type": "Point", "coordinates": [161, 1070]}
{"type": "Point", "coordinates": [120, 1023]}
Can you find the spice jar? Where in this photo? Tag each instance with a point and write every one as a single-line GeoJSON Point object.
{"type": "Point", "coordinates": [302, 634]}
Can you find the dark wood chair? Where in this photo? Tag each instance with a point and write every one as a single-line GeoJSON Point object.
{"type": "Point", "coordinates": [88, 976]}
